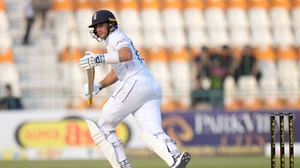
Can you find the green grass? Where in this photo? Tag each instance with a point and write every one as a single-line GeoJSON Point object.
{"type": "Point", "coordinates": [152, 162]}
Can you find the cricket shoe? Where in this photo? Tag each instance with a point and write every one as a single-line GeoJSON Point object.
{"type": "Point", "coordinates": [182, 160]}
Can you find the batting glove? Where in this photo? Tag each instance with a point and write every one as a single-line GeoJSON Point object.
{"type": "Point", "coordinates": [86, 95]}
{"type": "Point", "coordinates": [91, 60]}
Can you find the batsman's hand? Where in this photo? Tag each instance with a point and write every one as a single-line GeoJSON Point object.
{"type": "Point", "coordinates": [91, 60]}
{"type": "Point", "coordinates": [85, 91]}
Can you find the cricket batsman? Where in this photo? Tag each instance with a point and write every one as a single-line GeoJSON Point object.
{"type": "Point", "coordinates": [138, 94]}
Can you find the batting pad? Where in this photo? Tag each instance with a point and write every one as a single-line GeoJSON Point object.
{"type": "Point", "coordinates": [106, 147]}
{"type": "Point", "coordinates": [158, 146]}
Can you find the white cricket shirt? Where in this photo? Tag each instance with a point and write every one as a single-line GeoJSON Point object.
{"type": "Point", "coordinates": [124, 70]}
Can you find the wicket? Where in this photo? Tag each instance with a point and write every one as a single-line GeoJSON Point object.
{"type": "Point", "coordinates": [281, 137]}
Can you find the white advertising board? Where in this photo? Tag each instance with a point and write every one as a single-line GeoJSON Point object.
{"type": "Point", "coordinates": [61, 134]}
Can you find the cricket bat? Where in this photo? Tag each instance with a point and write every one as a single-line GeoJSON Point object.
{"type": "Point", "coordinates": [91, 76]}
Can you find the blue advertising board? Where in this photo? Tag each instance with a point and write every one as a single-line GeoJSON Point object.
{"type": "Point", "coordinates": [224, 132]}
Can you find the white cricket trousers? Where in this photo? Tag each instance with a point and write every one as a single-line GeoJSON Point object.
{"type": "Point", "coordinates": [139, 95]}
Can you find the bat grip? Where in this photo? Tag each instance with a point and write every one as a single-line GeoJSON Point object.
{"type": "Point", "coordinates": [90, 101]}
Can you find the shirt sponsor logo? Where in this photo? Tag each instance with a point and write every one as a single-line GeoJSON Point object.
{"type": "Point", "coordinates": [120, 41]}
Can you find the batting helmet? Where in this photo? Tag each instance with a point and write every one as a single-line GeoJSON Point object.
{"type": "Point", "coordinates": [104, 16]}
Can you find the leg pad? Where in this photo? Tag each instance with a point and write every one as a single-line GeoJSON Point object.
{"type": "Point", "coordinates": [158, 146]}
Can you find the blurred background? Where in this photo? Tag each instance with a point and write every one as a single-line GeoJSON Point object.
{"type": "Point", "coordinates": [223, 65]}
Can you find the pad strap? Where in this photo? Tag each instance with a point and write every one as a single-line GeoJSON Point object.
{"type": "Point", "coordinates": [169, 142]}
{"type": "Point", "coordinates": [157, 143]}
{"type": "Point", "coordinates": [109, 144]}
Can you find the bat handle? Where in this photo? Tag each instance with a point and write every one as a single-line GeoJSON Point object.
{"type": "Point", "coordinates": [90, 101]}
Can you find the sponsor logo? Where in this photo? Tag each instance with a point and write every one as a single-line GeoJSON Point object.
{"type": "Point", "coordinates": [178, 128]}
{"type": "Point", "coordinates": [98, 60]}
{"type": "Point", "coordinates": [120, 41]}
{"type": "Point", "coordinates": [69, 132]}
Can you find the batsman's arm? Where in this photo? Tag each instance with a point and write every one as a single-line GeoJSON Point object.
{"type": "Point", "coordinates": [109, 79]}
{"type": "Point", "coordinates": [125, 54]}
